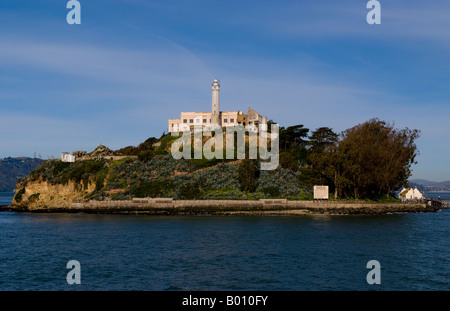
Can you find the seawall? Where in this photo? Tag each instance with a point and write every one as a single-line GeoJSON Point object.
{"type": "Point", "coordinates": [168, 206]}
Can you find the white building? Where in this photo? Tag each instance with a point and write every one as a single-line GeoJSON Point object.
{"type": "Point", "coordinates": [410, 194]}
{"type": "Point", "coordinates": [188, 120]}
{"type": "Point", "coordinates": [67, 157]}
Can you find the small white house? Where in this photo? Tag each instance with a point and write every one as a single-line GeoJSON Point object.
{"type": "Point", "coordinates": [67, 157]}
{"type": "Point", "coordinates": [410, 194]}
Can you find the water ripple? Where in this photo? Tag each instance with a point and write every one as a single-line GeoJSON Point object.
{"type": "Point", "coordinates": [224, 253]}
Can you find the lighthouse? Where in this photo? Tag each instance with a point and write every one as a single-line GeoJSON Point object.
{"type": "Point", "coordinates": [215, 117]}
{"type": "Point", "coordinates": [215, 112]}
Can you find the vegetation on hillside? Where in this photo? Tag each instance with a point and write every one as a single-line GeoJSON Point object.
{"type": "Point", "coordinates": [368, 161]}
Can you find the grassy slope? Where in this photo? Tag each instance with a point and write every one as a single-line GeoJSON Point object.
{"type": "Point", "coordinates": [163, 176]}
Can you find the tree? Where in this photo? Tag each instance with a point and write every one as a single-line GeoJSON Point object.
{"type": "Point", "coordinates": [293, 140]}
{"type": "Point", "coordinates": [324, 165]}
{"type": "Point", "coordinates": [322, 138]}
{"type": "Point", "coordinates": [375, 158]}
{"type": "Point", "coordinates": [292, 136]}
{"type": "Point", "coordinates": [288, 161]}
{"type": "Point", "coordinates": [131, 150]}
{"type": "Point", "coordinates": [369, 160]}
{"type": "Point", "coordinates": [148, 144]}
{"type": "Point", "coordinates": [248, 174]}
{"type": "Point", "coordinates": [269, 125]}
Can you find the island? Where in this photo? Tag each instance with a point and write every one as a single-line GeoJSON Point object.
{"type": "Point", "coordinates": [362, 166]}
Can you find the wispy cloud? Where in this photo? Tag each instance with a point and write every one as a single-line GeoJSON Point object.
{"type": "Point", "coordinates": [312, 62]}
{"type": "Point", "coordinates": [107, 64]}
{"type": "Point", "coordinates": [318, 20]}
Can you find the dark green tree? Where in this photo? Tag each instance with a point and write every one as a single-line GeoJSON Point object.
{"type": "Point", "coordinates": [293, 136]}
{"type": "Point", "coordinates": [293, 139]}
{"type": "Point", "coordinates": [322, 162]}
{"type": "Point", "coordinates": [132, 150]}
{"type": "Point", "coordinates": [375, 158]}
{"type": "Point", "coordinates": [248, 174]}
{"type": "Point", "coordinates": [269, 125]}
{"type": "Point", "coordinates": [288, 161]}
{"type": "Point", "coordinates": [321, 139]}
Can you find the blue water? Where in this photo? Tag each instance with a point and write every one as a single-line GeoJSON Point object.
{"type": "Point", "coordinates": [6, 198]}
{"type": "Point", "coordinates": [442, 195]}
{"type": "Point", "coordinates": [119, 252]}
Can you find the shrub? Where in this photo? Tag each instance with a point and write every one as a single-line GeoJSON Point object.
{"type": "Point", "coordinates": [100, 179]}
{"type": "Point", "coordinates": [204, 162]}
{"type": "Point", "coordinates": [153, 189]}
{"type": "Point", "coordinates": [145, 156]}
{"type": "Point", "coordinates": [18, 196]}
{"type": "Point", "coordinates": [248, 173]}
{"type": "Point", "coordinates": [288, 161]}
{"type": "Point", "coordinates": [59, 167]}
{"type": "Point", "coordinates": [82, 170]}
{"type": "Point", "coordinates": [128, 151]}
{"type": "Point", "coordinates": [188, 191]}
{"type": "Point", "coordinates": [271, 191]}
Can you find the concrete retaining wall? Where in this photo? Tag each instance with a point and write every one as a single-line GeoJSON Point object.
{"type": "Point", "coordinates": [170, 206]}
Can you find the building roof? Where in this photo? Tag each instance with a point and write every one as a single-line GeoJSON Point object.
{"type": "Point", "coordinates": [196, 112]}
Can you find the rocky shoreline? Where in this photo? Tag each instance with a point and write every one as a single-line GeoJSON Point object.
{"type": "Point", "coordinates": [229, 207]}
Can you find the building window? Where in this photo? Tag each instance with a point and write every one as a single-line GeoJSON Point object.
{"type": "Point", "coordinates": [197, 121]}
{"type": "Point", "coordinates": [185, 121]}
{"type": "Point", "coordinates": [225, 120]}
{"type": "Point", "coordinates": [231, 120]}
{"type": "Point", "coordinates": [204, 120]}
{"type": "Point", "coordinates": [191, 121]}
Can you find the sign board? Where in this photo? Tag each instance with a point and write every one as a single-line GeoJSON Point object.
{"type": "Point", "coordinates": [320, 192]}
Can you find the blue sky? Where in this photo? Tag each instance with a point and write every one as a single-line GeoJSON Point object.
{"type": "Point", "coordinates": [131, 65]}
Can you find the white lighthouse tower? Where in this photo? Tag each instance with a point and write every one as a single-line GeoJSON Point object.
{"type": "Point", "coordinates": [215, 113]}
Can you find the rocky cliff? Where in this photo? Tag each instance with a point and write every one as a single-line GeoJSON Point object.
{"type": "Point", "coordinates": [39, 194]}
{"type": "Point", "coordinates": [56, 184]}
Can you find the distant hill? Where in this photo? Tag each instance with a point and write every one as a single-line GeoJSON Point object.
{"type": "Point", "coordinates": [430, 186]}
{"type": "Point", "coordinates": [12, 169]}
{"type": "Point", "coordinates": [422, 182]}
{"type": "Point", "coordinates": [439, 187]}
